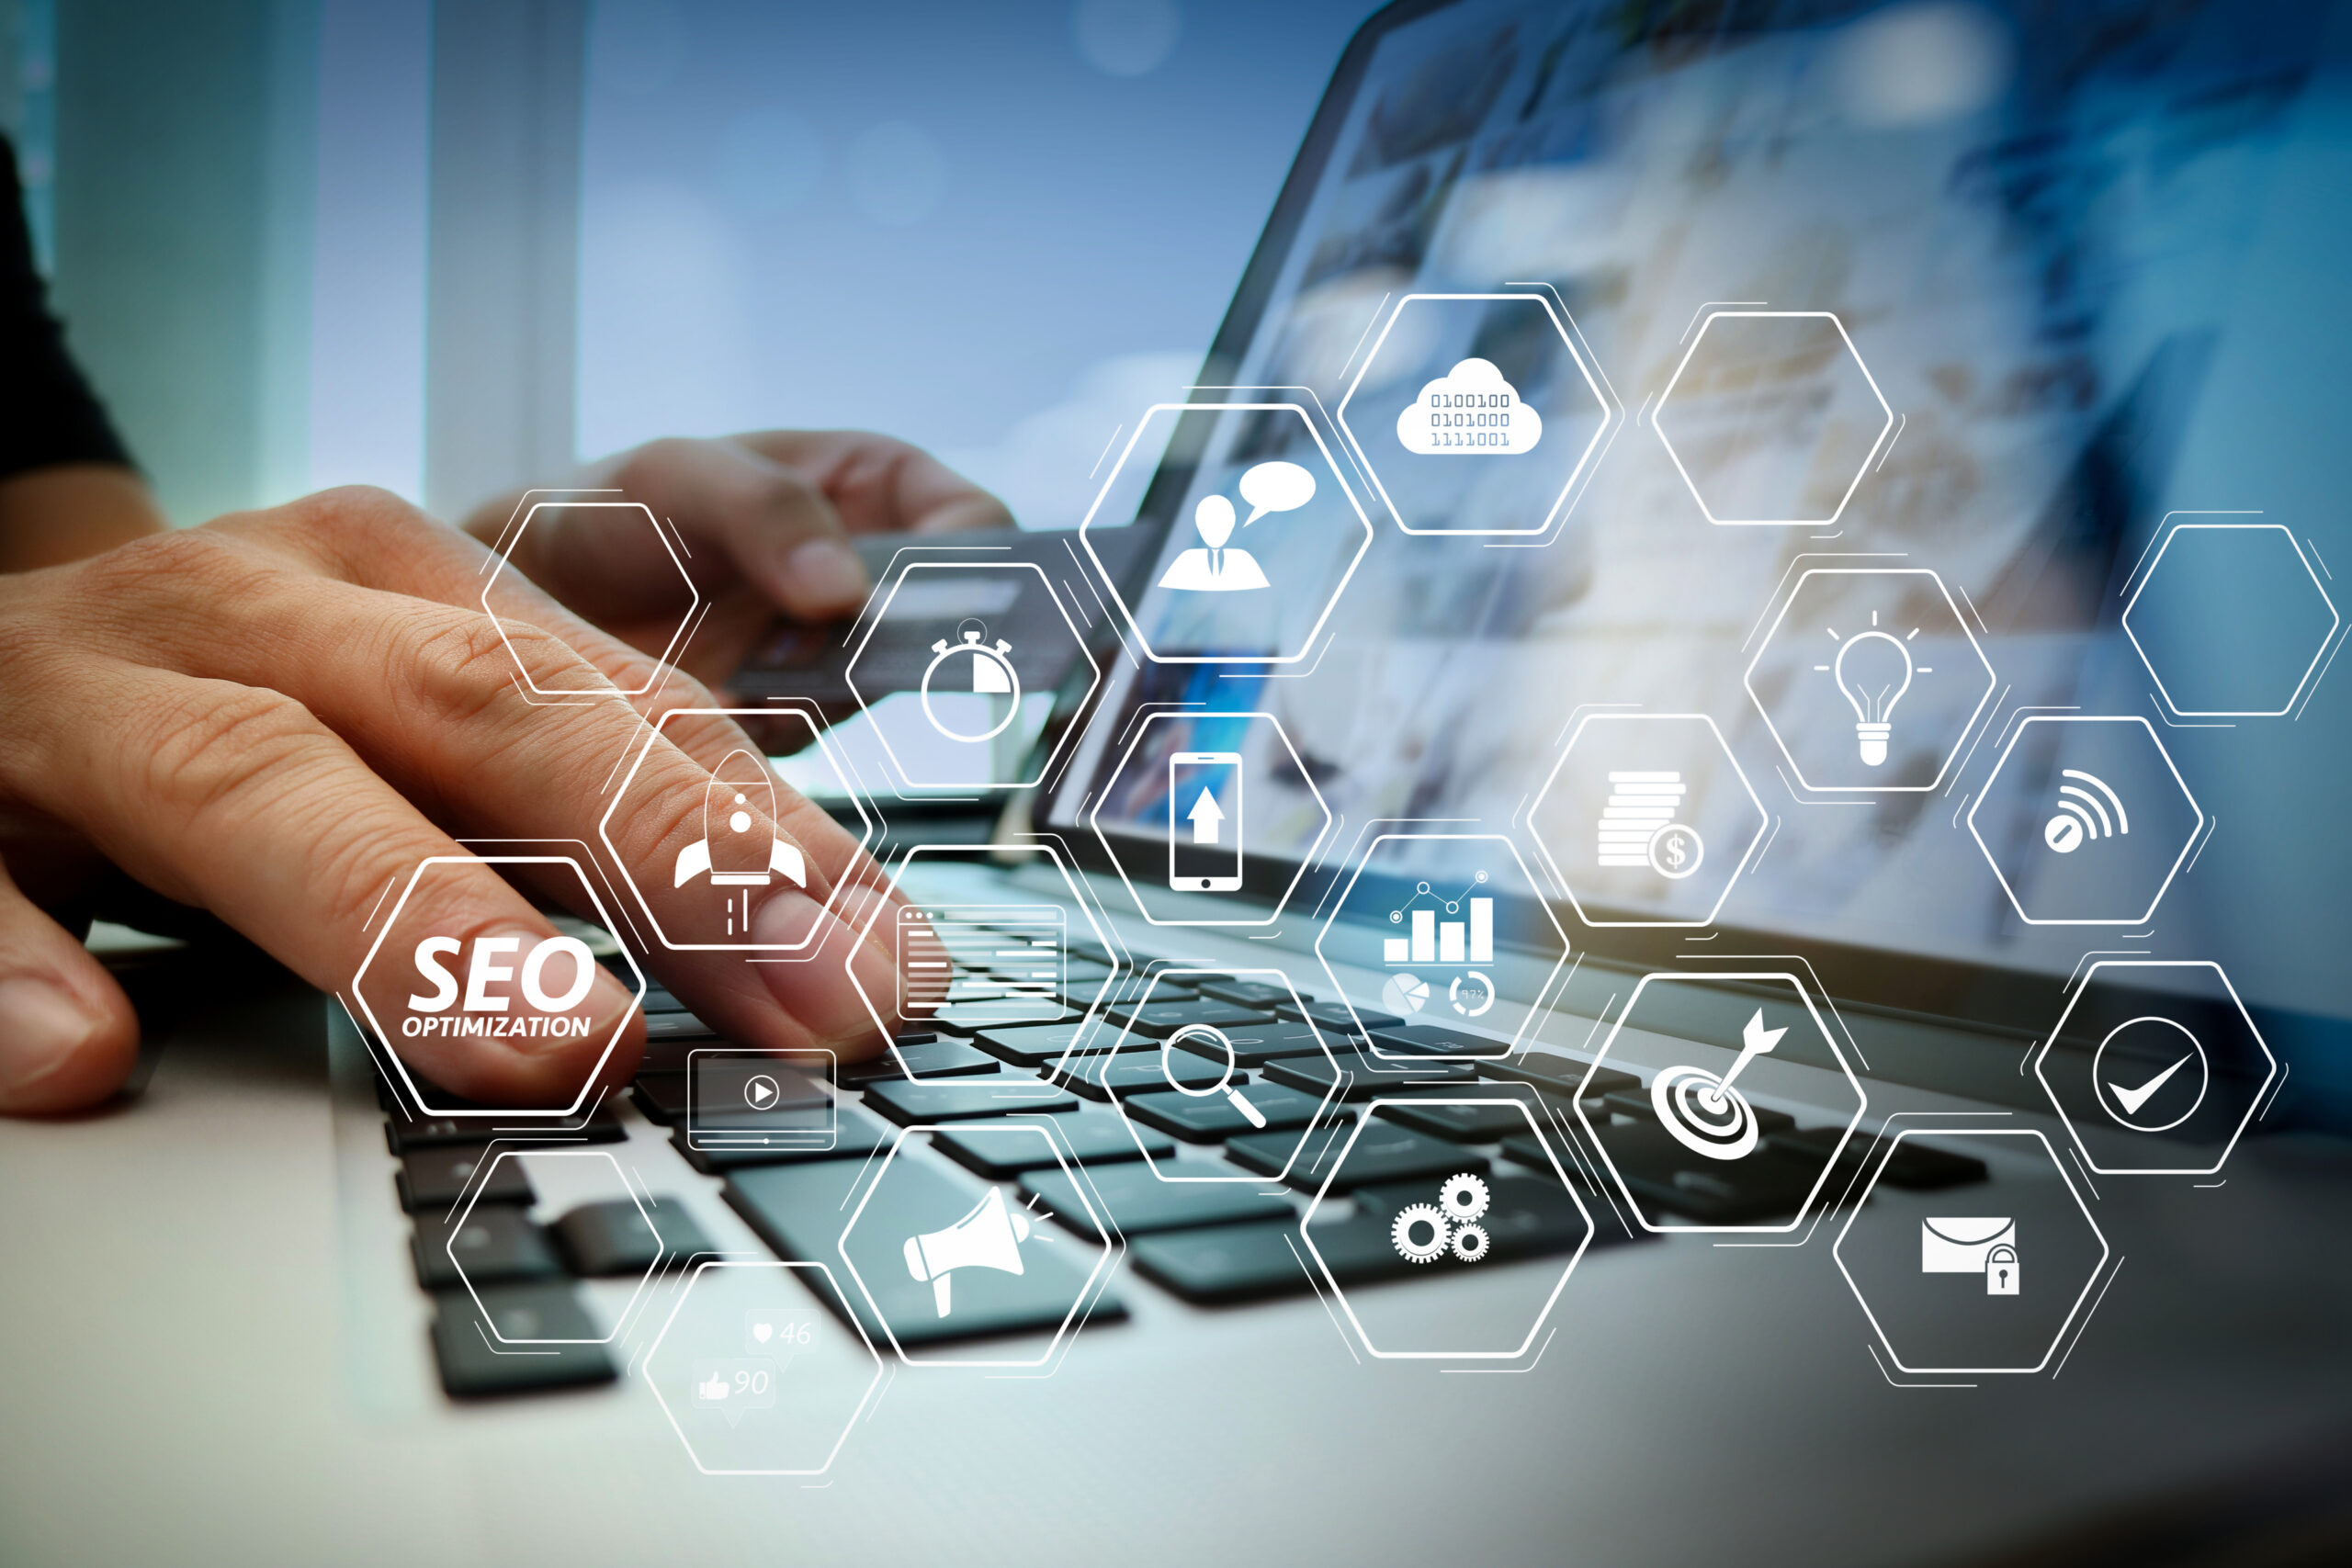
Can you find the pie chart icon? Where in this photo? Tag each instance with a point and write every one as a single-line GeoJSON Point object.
{"type": "Point", "coordinates": [760, 1091]}
{"type": "Point", "coordinates": [1405, 994]}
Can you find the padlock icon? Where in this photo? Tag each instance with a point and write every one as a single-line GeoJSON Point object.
{"type": "Point", "coordinates": [2001, 1271]}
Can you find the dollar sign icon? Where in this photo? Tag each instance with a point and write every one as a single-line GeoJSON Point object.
{"type": "Point", "coordinates": [1676, 850]}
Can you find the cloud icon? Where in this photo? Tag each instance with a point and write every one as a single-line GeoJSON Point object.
{"type": "Point", "coordinates": [1469, 411]}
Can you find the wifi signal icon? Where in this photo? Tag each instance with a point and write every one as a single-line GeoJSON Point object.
{"type": "Point", "coordinates": [2083, 814]}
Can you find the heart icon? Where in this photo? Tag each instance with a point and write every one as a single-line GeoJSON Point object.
{"type": "Point", "coordinates": [760, 1331]}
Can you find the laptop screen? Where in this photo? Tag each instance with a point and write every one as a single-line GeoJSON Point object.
{"type": "Point", "coordinates": [2073, 248]}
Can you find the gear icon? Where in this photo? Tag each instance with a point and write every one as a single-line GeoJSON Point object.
{"type": "Point", "coordinates": [1464, 1198]}
{"type": "Point", "coordinates": [1400, 1231]}
{"type": "Point", "coordinates": [1470, 1242]}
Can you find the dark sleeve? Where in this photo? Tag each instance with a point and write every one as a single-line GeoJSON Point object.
{"type": "Point", "coordinates": [48, 413]}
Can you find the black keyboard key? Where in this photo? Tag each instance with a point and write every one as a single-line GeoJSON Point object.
{"type": "Point", "coordinates": [1139, 1072]}
{"type": "Point", "coordinates": [498, 1244]}
{"type": "Point", "coordinates": [474, 1365]}
{"type": "Point", "coordinates": [1916, 1167]}
{"type": "Point", "coordinates": [664, 1026]}
{"type": "Point", "coordinates": [1527, 1217]}
{"type": "Point", "coordinates": [403, 1136]}
{"type": "Point", "coordinates": [1368, 1076]}
{"type": "Point", "coordinates": [1163, 1018]}
{"type": "Point", "coordinates": [1636, 1103]}
{"type": "Point", "coordinates": [1261, 994]}
{"type": "Point", "coordinates": [856, 1136]}
{"type": "Point", "coordinates": [1239, 1263]}
{"type": "Point", "coordinates": [1538, 1157]}
{"type": "Point", "coordinates": [1044, 1044]}
{"type": "Point", "coordinates": [1381, 1154]}
{"type": "Point", "coordinates": [1560, 1075]}
{"type": "Point", "coordinates": [1140, 1203]}
{"type": "Point", "coordinates": [1665, 1177]}
{"type": "Point", "coordinates": [1335, 1017]}
{"type": "Point", "coordinates": [611, 1240]}
{"type": "Point", "coordinates": [1093, 1139]}
{"type": "Point", "coordinates": [435, 1179]}
{"type": "Point", "coordinates": [1459, 1124]}
{"type": "Point", "coordinates": [1212, 1118]}
{"type": "Point", "coordinates": [800, 1210]}
{"type": "Point", "coordinates": [964, 1100]}
{"type": "Point", "coordinates": [1438, 1040]}
{"type": "Point", "coordinates": [966, 1020]}
{"type": "Point", "coordinates": [1256, 1044]}
{"type": "Point", "coordinates": [659, 998]}
{"type": "Point", "coordinates": [932, 1059]}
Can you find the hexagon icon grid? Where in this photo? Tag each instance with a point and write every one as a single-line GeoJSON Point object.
{"type": "Point", "coordinates": [1227, 832]}
{"type": "Point", "coordinates": [2141, 1095]}
{"type": "Point", "coordinates": [1763, 355]}
{"type": "Point", "coordinates": [888, 1259]}
{"type": "Point", "coordinates": [1393, 465]}
{"type": "Point", "coordinates": [1714, 1137]}
{"type": "Point", "coordinates": [2098, 840]}
{"type": "Point", "coordinates": [2230, 620]}
{"type": "Point", "coordinates": [1854, 679]}
{"type": "Point", "coordinates": [1367, 1331]}
{"type": "Point", "coordinates": [952, 908]}
{"type": "Point", "coordinates": [1441, 933]}
{"type": "Point", "coordinates": [715, 818]}
{"type": "Point", "coordinates": [1175, 1170]}
{"type": "Point", "coordinates": [670, 552]}
{"type": "Point", "coordinates": [384, 1037]}
{"type": "Point", "coordinates": [1901, 1256]}
{"type": "Point", "coordinates": [934, 744]}
{"type": "Point", "coordinates": [822, 1405]}
{"type": "Point", "coordinates": [1637, 823]}
{"type": "Point", "coordinates": [481, 1183]}
{"type": "Point", "coordinates": [1153, 434]}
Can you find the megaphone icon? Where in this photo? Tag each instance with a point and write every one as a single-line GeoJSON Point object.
{"type": "Point", "coordinates": [987, 1237]}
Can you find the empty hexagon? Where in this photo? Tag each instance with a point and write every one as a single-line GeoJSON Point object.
{"type": "Point", "coordinates": [933, 1267]}
{"type": "Point", "coordinates": [1696, 1154]}
{"type": "Point", "coordinates": [958, 709]}
{"type": "Point", "coordinates": [1432, 915]}
{"type": "Point", "coordinates": [1478, 414]}
{"type": "Point", "coordinates": [1265, 537]}
{"type": "Point", "coordinates": [2085, 820]}
{"type": "Point", "coordinates": [2232, 620]}
{"type": "Point", "coordinates": [1476, 1218]}
{"type": "Point", "coordinates": [1227, 1048]}
{"type": "Point", "coordinates": [473, 985]}
{"type": "Point", "coordinates": [762, 1367]}
{"type": "Point", "coordinates": [1870, 678]}
{"type": "Point", "coordinates": [703, 898]}
{"type": "Point", "coordinates": [1772, 418]}
{"type": "Point", "coordinates": [635, 530]}
{"type": "Point", "coordinates": [1647, 819]}
{"type": "Point", "coordinates": [1981, 1279]}
{"type": "Point", "coordinates": [1182, 802]}
{"type": "Point", "coordinates": [2156, 1066]}
{"type": "Point", "coordinates": [480, 1183]}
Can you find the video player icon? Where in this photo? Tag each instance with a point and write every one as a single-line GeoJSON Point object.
{"type": "Point", "coordinates": [760, 1093]}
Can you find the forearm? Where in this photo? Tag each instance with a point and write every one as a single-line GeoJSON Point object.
{"type": "Point", "coordinates": [51, 516]}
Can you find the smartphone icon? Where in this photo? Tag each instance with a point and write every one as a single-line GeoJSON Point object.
{"type": "Point", "coordinates": [1204, 823]}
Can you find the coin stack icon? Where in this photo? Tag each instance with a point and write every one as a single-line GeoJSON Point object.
{"type": "Point", "coordinates": [1638, 827]}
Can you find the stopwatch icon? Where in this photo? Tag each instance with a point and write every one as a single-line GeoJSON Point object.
{"type": "Point", "coordinates": [974, 667]}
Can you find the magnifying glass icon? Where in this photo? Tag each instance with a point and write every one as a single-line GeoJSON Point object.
{"type": "Point", "coordinates": [1224, 1084]}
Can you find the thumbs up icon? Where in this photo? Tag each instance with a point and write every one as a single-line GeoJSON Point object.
{"type": "Point", "coordinates": [713, 1389]}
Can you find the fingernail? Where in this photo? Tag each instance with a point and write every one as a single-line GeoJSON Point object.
{"type": "Point", "coordinates": [820, 993]}
{"type": "Point", "coordinates": [41, 1026]}
{"type": "Point", "coordinates": [826, 574]}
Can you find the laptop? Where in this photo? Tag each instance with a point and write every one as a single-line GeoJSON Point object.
{"type": "Point", "coordinates": [1558, 1063]}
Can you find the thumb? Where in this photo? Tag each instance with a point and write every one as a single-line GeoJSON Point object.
{"type": "Point", "coordinates": [68, 1038]}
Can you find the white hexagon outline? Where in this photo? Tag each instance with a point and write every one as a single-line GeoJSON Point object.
{"type": "Point", "coordinates": [1087, 1291]}
{"type": "Point", "coordinates": [1612, 413]}
{"type": "Point", "coordinates": [1748, 679]}
{"type": "Point", "coordinates": [1838, 1255]}
{"type": "Point", "coordinates": [359, 997]}
{"type": "Point", "coordinates": [653, 733]}
{"type": "Point", "coordinates": [1143, 1142]}
{"type": "Point", "coordinates": [865, 1401]}
{"type": "Point", "coordinates": [2334, 622]}
{"type": "Point", "coordinates": [661, 666]}
{"type": "Point", "coordinates": [1305, 858]}
{"type": "Point", "coordinates": [1042, 1086]}
{"type": "Point", "coordinates": [481, 1184]}
{"type": "Point", "coordinates": [1110, 579]}
{"type": "Point", "coordinates": [873, 625]}
{"type": "Point", "coordinates": [2252, 1104]}
{"type": "Point", "coordinates": [1763, 819]}
{"type": "Point", "coordinates": [1307, 1230]}
{"type": "Point", "coordinates": [1862, 1102]}
{"type": "Point", "coordinates": [1418, 1058]}
{"type": "Point", "coordinates": [1657, 415]}
{"type": "Point", "coordinates": [2155, 740]}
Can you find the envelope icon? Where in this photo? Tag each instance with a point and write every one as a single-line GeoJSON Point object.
{"type": "Point", "coordinates": [1958, 1246]}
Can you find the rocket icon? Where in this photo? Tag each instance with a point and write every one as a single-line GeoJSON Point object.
{"type": "Point", "coordinates": [740, 846]}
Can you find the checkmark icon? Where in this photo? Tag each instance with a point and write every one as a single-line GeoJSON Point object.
{"type": "Point", "coordinates": [2132, 1099]}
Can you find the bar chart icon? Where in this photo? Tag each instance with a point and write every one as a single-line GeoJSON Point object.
{"type": "Point", "coordinates": [1435, 940]}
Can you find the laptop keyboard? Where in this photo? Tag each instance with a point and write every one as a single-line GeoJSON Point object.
{"type": "Point", "coordinates": [1209, 1244]}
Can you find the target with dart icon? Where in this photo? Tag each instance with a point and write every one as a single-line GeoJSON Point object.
{"type": "Point", "coordinates": [1705, 1114]}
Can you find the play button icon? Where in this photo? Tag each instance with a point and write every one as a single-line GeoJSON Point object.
{"type": "Point", "coordinates": [760, 1091]}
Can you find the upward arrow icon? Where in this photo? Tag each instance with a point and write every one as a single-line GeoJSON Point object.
{"type": "Point", "coordinates": [1205, 819]}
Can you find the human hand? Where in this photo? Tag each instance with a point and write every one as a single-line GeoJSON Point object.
{"type": "Point", "coordinates": [766, 518]}
{"type": "Point", "coordinates": [276, 717]}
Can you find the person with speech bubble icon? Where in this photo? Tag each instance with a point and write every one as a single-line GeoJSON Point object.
{"type": "Point", "coordinates": [1211, 567]}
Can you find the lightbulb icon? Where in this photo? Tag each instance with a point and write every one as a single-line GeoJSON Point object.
{"type": "Point", "coordinates": [1872, 671]}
